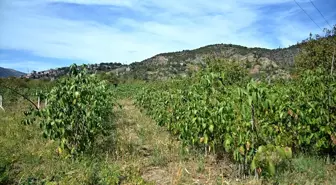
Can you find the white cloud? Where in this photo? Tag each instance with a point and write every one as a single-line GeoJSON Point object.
{"type": "Point", "coordinates": [98, 2]}
{"type": "Point", "coordinates": [176, 25]}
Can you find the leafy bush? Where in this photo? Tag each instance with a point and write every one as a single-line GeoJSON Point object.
{"type": "Point", "coordinates": [223, 114]}
{"type": "Point", "coordinates": [79, 108]}
{"type": "Point", "coordinates": [317, 51]}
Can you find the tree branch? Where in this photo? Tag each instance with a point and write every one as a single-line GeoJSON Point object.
{"type": "Point", "coordinates": [25, 97]}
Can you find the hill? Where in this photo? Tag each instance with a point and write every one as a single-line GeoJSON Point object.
{"type": "Point", "coordinates": [182, 63]}
{"type": "Point", "coordinates": [55, 73]}
{"type": "Point", "coordinates": [4, 72]}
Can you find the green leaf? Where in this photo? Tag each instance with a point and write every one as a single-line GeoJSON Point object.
{"type": "Point", "coordinates": [250, 100]}
{"type": "Point", "coordinates": [271, 168]}
{"type": "Point", "coordinates": [281, 152]}
{"type": "Point", "coordinates": [288, 152]}
{"type": "Point", "coordinates": [253, 165]}
{"type": "Point", "coordinates": [206, 139]}
{"type": "Point", "coordinates": [211, 128]}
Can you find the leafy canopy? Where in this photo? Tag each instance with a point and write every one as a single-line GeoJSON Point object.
{"type": "Point", "coordinates": [317, 51]}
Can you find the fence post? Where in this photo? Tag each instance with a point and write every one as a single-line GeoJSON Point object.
{"type": "Point", "coordinates": [1, 103]}
{"type": "Point", "coordinates": [38, 102]}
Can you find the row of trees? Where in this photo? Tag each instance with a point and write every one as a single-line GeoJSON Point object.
{"type": "Point", "coordinates": [259, 123]}
{"type": "Point", "coordinates": [80, 104]}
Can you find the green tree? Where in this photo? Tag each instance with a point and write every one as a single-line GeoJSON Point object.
{"type": "Point", "coordinates": [110, 78]}
{"type": "Point", "coordinates": [79, 108]}
{"type": "Point", "coordinates": [317, 51]}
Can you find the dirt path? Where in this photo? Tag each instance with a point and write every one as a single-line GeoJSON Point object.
{"type": "Point", "coordinates": [160, 157]}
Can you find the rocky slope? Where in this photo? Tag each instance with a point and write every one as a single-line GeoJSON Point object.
{"type": "Point", "coordinates": [167, 65]}
{"type": "Point", "coordinates": [182, 63]}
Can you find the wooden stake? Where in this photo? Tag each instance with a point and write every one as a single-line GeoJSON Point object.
{"type": "Point", "coordinates": [38, 102]}
{"type": "Point", "coordinates": [1, 103]}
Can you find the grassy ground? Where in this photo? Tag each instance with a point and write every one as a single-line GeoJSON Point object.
{"type": "Point", "coordinates": [161, 158]}
{"type": "Point", "coordinates": [136, 152]}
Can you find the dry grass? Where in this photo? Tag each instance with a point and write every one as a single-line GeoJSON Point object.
{"type": "Point", "coordinates": [160, 157]}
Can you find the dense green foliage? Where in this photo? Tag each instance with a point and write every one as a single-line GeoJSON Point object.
{"type": "Point", "coordinates": [317, 51]}
{"type": "Point", "coordinates": [79, 108]}
{"type": "Point", "coordinates": [225, 112]}
{"type": "Point", "coordinates": [109, 77]}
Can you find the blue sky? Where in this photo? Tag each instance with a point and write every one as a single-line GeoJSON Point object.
{"type": "Point", "coordinates": [43, 34]}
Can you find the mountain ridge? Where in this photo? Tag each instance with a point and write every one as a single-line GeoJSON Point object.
{"type": "Point", "coordinates": [6, 72]}
{"type": "Point", "coordinates": [181, 63]}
